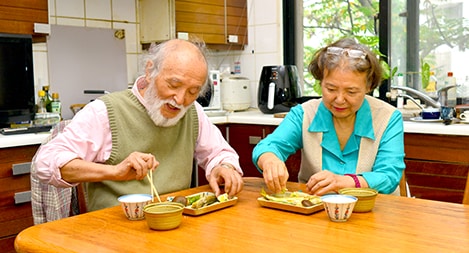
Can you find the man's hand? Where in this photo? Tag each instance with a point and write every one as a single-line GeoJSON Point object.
{"type": "Point", "coordinates": [226, 174]}
{"type": "Point", "coordinates": [136, 166]}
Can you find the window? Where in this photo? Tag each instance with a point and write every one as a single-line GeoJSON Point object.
{"type": "Point", "coordinates": [415, 36]}
{"type": "Point", "coordinates": [325, 21]}
{"type": "Point", "coordinates": [430, 36]}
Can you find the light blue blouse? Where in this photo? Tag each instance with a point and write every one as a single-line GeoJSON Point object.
{"type": "Point", "coordinates": [389, 164]}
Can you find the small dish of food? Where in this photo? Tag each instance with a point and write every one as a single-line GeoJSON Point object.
{"type": "Point", "coordinates": [298, 202]}
{"type": "Point", "coordinates": [203, 202]}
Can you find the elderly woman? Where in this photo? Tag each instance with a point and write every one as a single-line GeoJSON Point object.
{"type": "Point", "coordinates": [347, 138]}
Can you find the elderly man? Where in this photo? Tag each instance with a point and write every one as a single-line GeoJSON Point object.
{"type": "Point", "coordinates": [157, 127]}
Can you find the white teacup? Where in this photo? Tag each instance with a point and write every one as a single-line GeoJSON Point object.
{"type": "Point", "coordinates": [464, 116]}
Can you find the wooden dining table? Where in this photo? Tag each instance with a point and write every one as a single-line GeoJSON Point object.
{"type": "Point", "coordinates": [396, 224]}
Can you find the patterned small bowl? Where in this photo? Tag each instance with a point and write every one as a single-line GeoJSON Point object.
{"type": "Point", "coordinates": [133, 204]}
{"type": "Point", "coordinates": [339, 207]}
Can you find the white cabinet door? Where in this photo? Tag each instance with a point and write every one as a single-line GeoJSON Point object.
{"type": "Point", "coordinates": [83, 58]}
{"type": "Point", "coordinates": [158, 21]}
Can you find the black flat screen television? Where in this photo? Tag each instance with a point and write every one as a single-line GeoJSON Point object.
{"type": "Point", "coordinates": [17, 96]}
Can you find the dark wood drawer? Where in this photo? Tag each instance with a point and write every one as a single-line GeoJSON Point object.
{"type": "Point", "coordinates": [437, 180]}
{"type": "Point", "coordinates": [434, 147]}
{"type": "Point", "coordinates": [14, 156]}
{"type": "Point", "coordinates": [7, 244]}
{"type": "Point", "coordinates": [15, 190]}
{"type": "Point", "coordinates": [15, 219]}
{"type": "Point", "coordinates": [12, 187]}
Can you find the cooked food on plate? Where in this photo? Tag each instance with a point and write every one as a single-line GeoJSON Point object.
{"type": "Point", "coordinates": [296, 198]}
{"type": "Point", "coordinates": [200, 200]}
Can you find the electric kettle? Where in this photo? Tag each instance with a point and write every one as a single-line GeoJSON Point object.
{"type": "Point", "coordinates": [279, 89]}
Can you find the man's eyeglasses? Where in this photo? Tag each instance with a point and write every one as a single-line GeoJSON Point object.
{"type": "Point", "coordinates": [352, 53]}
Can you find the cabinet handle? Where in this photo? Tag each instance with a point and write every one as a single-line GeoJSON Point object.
{"type": "Point", "coordinates": [254, 139]}
{"type": "Point", "coordinates": [21, 168]}
{"type": "Point", "coordinates": [22, 197]}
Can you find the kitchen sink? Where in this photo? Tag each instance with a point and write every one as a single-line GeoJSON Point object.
{"type": "Point", "coordinates": [407, 114]}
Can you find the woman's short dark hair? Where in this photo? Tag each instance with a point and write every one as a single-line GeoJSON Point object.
{"type": "Point", "coordinates": [369, 64]}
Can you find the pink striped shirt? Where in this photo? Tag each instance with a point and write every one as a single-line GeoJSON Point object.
{"type": "Point", "coordinates": [88, 137]}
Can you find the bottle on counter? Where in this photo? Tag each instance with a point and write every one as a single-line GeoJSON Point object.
{"type": "Point", "coordinates": [432, 85]}
{"type": "Point", "coordinates": [48, 98]}
{"type": "Point", "coordinates": [41, 104]}
{"type": "Point", "coordinates": [463, 92]}
{"type": "Point", "coordinates": [452, 93]}
{"type": "Point", "coordinates": [56, 105]}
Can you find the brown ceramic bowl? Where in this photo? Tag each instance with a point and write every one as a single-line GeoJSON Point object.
{"type": "Point", "coordinates": [163, 215]}
{"type": "Point", "coordinates": [366, 198]}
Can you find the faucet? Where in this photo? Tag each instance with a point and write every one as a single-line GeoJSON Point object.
{"type": "Point", "coordinates": [442, 95]}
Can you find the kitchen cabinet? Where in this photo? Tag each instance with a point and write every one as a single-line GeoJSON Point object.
{"type": "Point", "coordinates": [221, 24]}
{"type": "Point", "coordinates": [156, 27]}
{"type": "Point", "coordinates": [437, 166]}
{"type": "Point", "coordinates": [201, 180]}
{"type": "Point", "coordinates": [243, 138]}
{"type": "Point", "coordinates": [15, 193]}
{"type": "Point", "coordinates": [19, 16]}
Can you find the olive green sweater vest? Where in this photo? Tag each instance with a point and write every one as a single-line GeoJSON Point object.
{"type": "Point", "coordinates": [133, 130]}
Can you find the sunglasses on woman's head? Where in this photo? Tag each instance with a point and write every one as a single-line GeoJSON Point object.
{"type": "Point", "coordinates": [352, 53]}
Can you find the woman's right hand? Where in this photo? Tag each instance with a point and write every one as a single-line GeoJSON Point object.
{"type": "Point", "coordinates": [274, 171]}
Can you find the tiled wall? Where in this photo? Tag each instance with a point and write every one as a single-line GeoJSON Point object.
{"type": "Point", "coordinates": [264, 31]}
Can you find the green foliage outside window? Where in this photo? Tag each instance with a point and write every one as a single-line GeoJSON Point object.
{"type": "Point", "coordinates": [326, 21]}
{"type": "Point", "coordinates": [441, 23]}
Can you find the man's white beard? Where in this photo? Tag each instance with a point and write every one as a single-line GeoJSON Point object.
{"type": "Point", "coordinates": [155, 103]}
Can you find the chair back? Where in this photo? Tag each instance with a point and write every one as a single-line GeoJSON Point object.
{"type": "Point", "coordinates": [404, 187]}
{"type": "Point", "coordinates": [466, 192]}
{"type": "Point", "coordinates": [51, 203]}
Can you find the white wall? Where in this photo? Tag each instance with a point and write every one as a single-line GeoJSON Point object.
{"type": "Point", "coordinates": [265, 45]}
{"type": "Point", "coordinates": [264, 35]}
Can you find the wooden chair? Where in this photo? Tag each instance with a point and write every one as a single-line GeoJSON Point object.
{"type": "Point", "coordinates": [465, 199]}
{"type": "Point", "coordinates": [404, 187]}
{"type": "Point", "coordinates": [76, 107]}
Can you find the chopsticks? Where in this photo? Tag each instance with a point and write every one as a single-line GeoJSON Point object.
{"type": "Point", "coordinates": [153, 188]}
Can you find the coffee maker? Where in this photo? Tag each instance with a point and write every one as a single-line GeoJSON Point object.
{"type": "Point", "coordinates": [279, 89]}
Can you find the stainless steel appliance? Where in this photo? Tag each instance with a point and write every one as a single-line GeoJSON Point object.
{"type": "Point", "coordinates": [279, 89]}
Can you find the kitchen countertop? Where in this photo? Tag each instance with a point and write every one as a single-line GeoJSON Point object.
{"type": "Point", "coordinates": [254, 116]}
{"type": "Point", "coordinates": [22, 139]}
